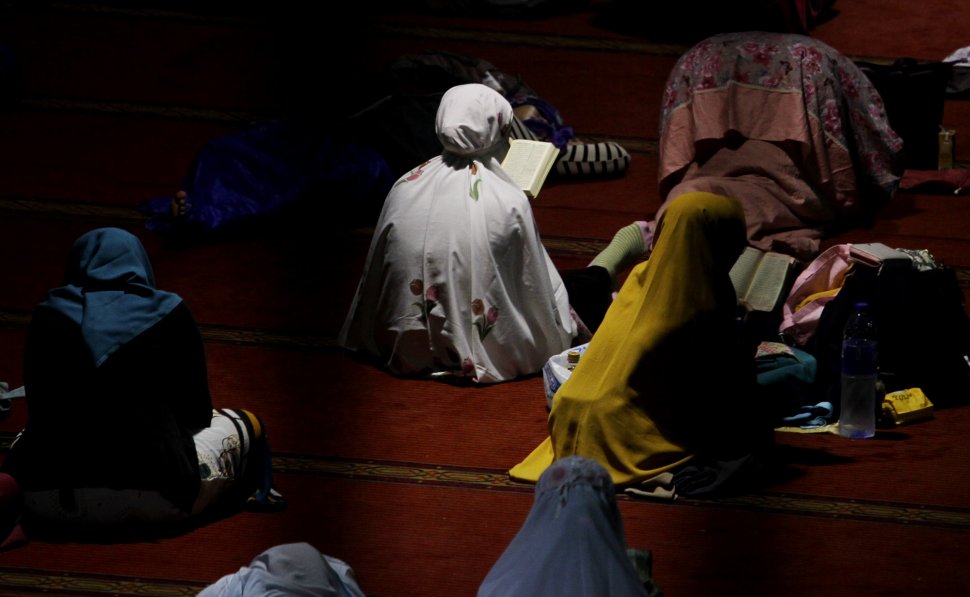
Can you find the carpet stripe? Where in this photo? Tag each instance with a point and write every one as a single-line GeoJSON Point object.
{"type": "Point", "coordinates": [517, 39]}
{"type": "Point", "coordinates": [534, 40]}
{"type": "Point", "coordinates": [470, 478]}
{"type": "Point", "coordinates": [73, 209]}
{"type": "Point", "coordinates": [458, 477]}
{"type": "Point", "coordinates": [25, 581]}
{"type": "Point", "coordinates": [60, 104]}
{"type": "Point", "coordinates": [266, 338]}
{"type": "Point", "coordinates": [37, 103]}
{"type": "Point", "coordinates": [218, 334]}
{"type": "Point", "coordinates": [555, 245]}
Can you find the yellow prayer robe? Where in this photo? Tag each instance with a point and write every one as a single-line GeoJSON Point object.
{"type": "Point", "coordinates": [644, 396]}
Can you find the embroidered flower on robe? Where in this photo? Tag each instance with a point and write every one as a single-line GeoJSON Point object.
{"type": "Point", "coordinates": [476, 181]}
{"type": "Point", "coordinates": [484, 321]}
{"type": "Point", "coordinates": [413, 174]}
{"type": "Point", "coordinates": [428, 301]}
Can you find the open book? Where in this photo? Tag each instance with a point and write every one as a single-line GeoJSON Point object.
{"type": "Point", "coordinates": [529, 163]}
{"type": "Point", "coordinates": [763, 279]}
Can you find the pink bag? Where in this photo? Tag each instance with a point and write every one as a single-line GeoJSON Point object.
{"type": "Point", "coordinates": [813, 288]}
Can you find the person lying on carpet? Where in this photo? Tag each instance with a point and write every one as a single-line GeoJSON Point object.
{"type": "Point", "coordinates": [667, 385]}
{"type": "Point", "coordinates": [400, 122]}
{"type": "Point", "coordinates": [285, 165]}
{"type": "Point", "coordinates": [273, 168]}
{"type": "Point", "coordinates": [572, 542]}
{"type": "Point", "coordinates": [785, 124]}
{"type": "Point", "coordinates": [289, 569]}
{"type": "Point", "coordinates": [120, 424]}
{"type": "Point", "coordinates": [457, 281]}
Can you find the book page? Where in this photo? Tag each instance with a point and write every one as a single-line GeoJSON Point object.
{"type": "Point", "coordinates": [769, 282]}
{"type": "Point", "coordinates": [742, 272]}
{"type": "Point", "coordinates": [529, 162]}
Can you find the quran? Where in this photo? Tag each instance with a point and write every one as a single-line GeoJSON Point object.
{"type": "Point", "coordinates": [763, 279]}
{"type": "Point", "coordinates": [529, 163]}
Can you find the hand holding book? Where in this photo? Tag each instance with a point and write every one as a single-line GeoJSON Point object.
{"type": "Point", "coordinates": [529, 163]}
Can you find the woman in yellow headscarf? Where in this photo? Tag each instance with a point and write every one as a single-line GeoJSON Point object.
{"type": "Point", "coordinates": [668, 375]}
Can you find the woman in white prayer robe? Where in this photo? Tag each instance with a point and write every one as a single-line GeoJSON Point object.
{"type": "Point", "coordinates": [457, 282]}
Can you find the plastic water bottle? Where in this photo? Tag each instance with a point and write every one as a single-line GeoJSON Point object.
{"type": "Point", "coordinates": [860, 353]}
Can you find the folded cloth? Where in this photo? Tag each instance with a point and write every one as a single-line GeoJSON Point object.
{"type": "Point", "coordinates": [707, 479]}
{"type": "Point", "coordinates": [6, 395]}
{"type": "Point", "coordinates": [811, 416]}
{"type": "Point", "coordinates": [659, 487]}
{"type": "Point", "coordinates": [959, 83]}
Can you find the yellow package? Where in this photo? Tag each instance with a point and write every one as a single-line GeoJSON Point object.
{"type": "Point", "coordinates": [907, 406]}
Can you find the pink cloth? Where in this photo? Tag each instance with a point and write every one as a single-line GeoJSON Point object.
{"type": "Point", "coordinates": [825, 150]}
{"type": "Point", "coordinates": [825, 272]}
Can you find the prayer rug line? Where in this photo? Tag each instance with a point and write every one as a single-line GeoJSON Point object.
{"type": "Point", "coordinates": [517, 39]}
{"type": "Point", "coordinates": [488, 479]}
{"type": "Point", "coordinates": [498, 480]}
{"type": "Point", "coordinates": [68, 105]}
{"type": "Point", "coordinates": [20, 581]}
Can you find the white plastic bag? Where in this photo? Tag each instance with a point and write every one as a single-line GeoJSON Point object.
{"type": "Point", "coordinates": [556, 371]}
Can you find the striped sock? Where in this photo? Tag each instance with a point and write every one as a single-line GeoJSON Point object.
{"type": "Point", "coordinates": [585, 159]}
{"type": "Point", "coordinates": [626, 247]}
{"type": "Point", "coordinates": [521, 131]}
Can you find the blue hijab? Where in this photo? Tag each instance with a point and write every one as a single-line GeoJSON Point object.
{"type": "Point", "coordinates": [109, 291]}
{"type": "Point", "coordinates": [572, 542]}
{"type": "Point", "coordinates": [289, 570]}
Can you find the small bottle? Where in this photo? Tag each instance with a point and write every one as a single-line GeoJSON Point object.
{"type": "Point", "coordinates": [859, 374]}
{"type": "Point", "coordinates": [947, 144]}
{"type": "Point", "coordinates": [572, 359]}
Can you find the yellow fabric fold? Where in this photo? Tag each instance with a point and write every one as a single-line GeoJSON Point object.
{"type": "Point", "coordinates": [664, 354]}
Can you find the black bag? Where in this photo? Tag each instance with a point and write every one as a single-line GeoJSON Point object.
{"type": "Point", "coordinates": [913, 93]}
{"type": "Point", "coordinates": [923, 330]}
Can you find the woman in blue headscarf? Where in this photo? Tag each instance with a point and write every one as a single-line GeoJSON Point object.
{"type": "Point", "coordinates": [290, 569]}
{"type": "Point", "coordinates": [120, 422]}
{"type": "Point", "coordinates": [572, 543]}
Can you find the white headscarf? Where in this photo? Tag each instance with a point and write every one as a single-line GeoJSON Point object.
{"type": "Point", "coordinates": [457, 280]}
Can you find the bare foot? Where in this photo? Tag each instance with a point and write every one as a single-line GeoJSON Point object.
{"type": "Point", "coordinates": [179, 204]}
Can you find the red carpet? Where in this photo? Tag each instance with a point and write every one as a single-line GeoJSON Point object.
{"type": "Point", "coordinates": [405, 480]}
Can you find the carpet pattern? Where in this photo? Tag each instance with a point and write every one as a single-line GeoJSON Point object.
{"type": "Point", "coordinates": [406, 479]}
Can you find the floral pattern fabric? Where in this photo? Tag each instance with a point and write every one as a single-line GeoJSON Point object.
{"type": "Point", "coordinates": [791, 91]}
{"type": "Point", "coordinates": [457, 281]}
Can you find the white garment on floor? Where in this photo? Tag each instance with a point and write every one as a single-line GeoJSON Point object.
{"type": "Point", "coordinates": [457, 281]}
{"type": "Point", "coordinates": [221, 449]}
